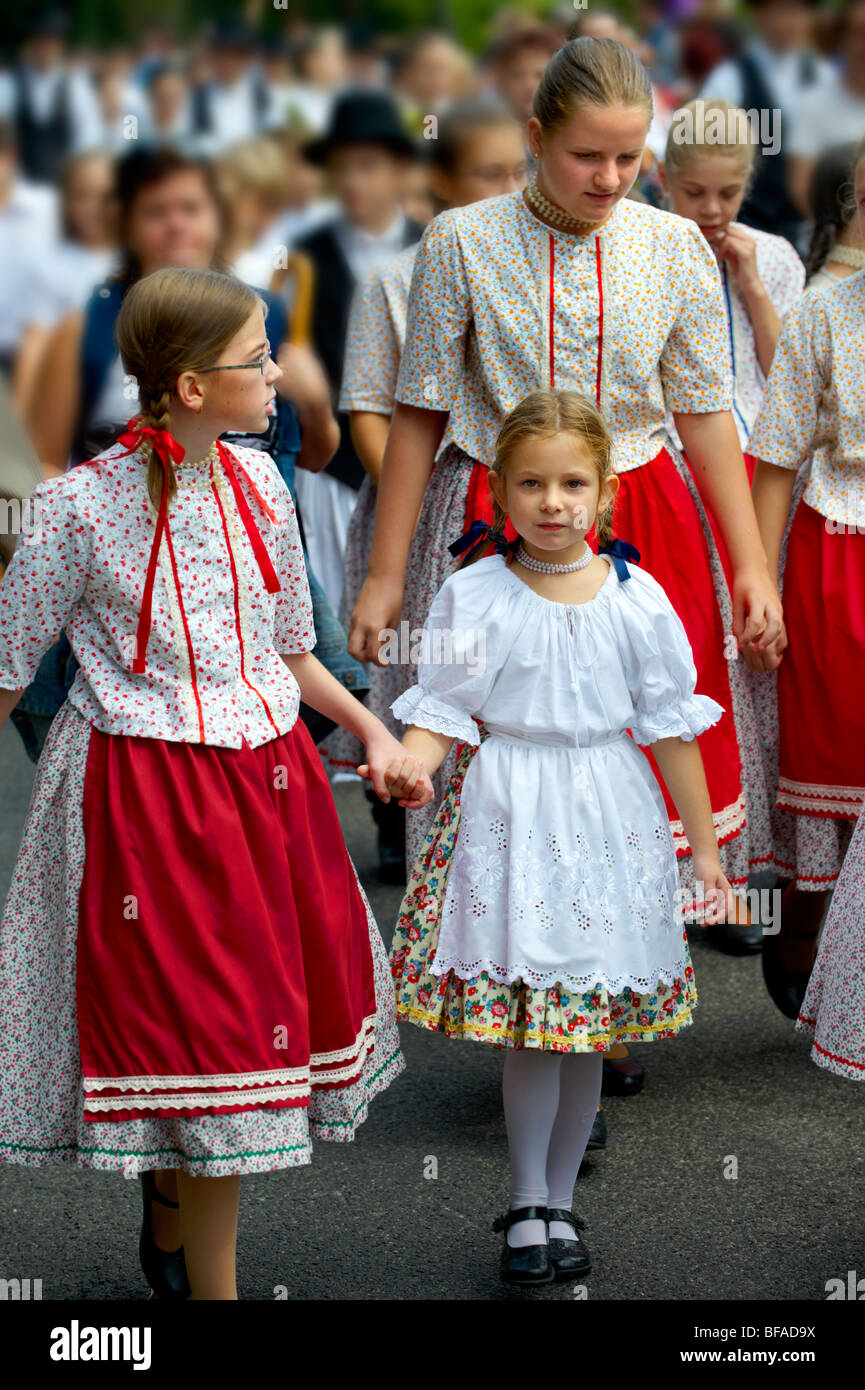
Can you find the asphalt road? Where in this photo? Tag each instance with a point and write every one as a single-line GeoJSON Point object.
{"type": "Point", "coordinates": [364, 1222]}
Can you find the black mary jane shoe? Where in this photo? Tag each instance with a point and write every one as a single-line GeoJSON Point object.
{"type": "Point", "coordinates": [164, 1270]}
{"type": "Point", "coordinates": [529, 1264]}
{"type": "Point", "coordinates": [786, 987]}
{"type": "Point", "coordinates": [570, 1258]}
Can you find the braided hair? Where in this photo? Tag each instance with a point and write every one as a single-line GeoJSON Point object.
{"type": "Point", "coordinates": [832, 204]}
{"type": "Point", "coordinates": [173, 321]}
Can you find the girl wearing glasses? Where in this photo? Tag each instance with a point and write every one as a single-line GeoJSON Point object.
{"type": "Point", "coordinates": [192, 981]}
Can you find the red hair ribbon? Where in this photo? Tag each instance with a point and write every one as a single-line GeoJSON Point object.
{"type": "Point", "coordinates": [167, 449]}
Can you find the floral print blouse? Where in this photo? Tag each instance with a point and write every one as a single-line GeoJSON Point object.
{"type": "Point", "coordinates": [376, 336]}
{"type": "Point", "coordinates": [213, 673]}
{"type": "Point", "coordinates": [814, 404]}
{"type": "Point", "coordinates": [502, 305]}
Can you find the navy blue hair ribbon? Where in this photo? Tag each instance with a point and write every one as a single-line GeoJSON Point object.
{"type": "Point", "coordinates": [620, 551]}
{"type": "Point", "coordinates": [478, 534]}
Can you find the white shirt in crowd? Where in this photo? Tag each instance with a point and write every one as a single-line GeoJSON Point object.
{"type": "Point", "coordinates": [63, 281]}
{"type": "Point", "coordinates": [782, 73]}
{"type": "Point", "coordinates": [365, 251]}
{"type": "Point", "coordinates": [28, 238]}
{"type": "Point", "coordinates": [830, 114]}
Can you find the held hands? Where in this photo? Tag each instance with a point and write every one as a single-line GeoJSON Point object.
{"type": "Point", "coordinates": [770, 658]}
{"type": "Point", "coordinates": [395, 773]}
{"type": "Point", "coordinates": [716, 900]}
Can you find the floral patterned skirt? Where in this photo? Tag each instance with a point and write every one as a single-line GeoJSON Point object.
{"type": "Point", "coordinates": [515, 1015]}
{"type": "Point", "coordinates": [833, 1010]}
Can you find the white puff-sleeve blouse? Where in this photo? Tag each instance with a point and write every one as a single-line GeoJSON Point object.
{"type": "Point", "coordinates": [564, 867]}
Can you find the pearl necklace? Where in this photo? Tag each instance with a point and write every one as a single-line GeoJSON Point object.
{"type": "Point", "coordinates": [542, 206]}
{"type": "Point", "coordinates": [543, 567]}
{"type": "Point", "coordinates": [211, 456]}
{"type": "Point", "coordinates": [847, 255]}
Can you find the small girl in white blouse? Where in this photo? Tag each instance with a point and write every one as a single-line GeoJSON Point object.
{"type": "Point", "coordinates": [544, 915]}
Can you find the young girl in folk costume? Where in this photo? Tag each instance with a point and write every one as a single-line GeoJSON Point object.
{"type": "Point", "coordinates": [572, 284]}
{"type": "Point", "coordinates": [191, 980]}
{"type": "Point", "coordinates": [814, 410]}
{"type": "Point", "coordinates": [544, 915]}
{"type": "Point", "coordinates": [762, 275]}
{"type": "Point", "coordinates": [706, 180]}
{"type": "Point", "coordinates": [478, 153]}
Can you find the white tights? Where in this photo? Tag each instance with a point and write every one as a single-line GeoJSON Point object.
{"type": "Point", "coordinates": [551, 1099]}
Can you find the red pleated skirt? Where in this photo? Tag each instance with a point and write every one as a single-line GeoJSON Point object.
{"type": "Point", "coordinates": [821, 710]}
{"type": "Point", "coordinates": [655, 512]}
{"type": "Point", "coordinates": [224, 958]}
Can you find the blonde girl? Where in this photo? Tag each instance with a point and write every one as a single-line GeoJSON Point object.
{"type": "Point", "coordinates": [191, 980]}
{"type": "Point", "coordinates": [544, 914]}
{"type": "Point", "coordinates": [763, 275]}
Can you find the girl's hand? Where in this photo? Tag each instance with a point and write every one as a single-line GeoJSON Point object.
{"type": "Point", "coordinates": [758, 616]}
{"type": "Point", "coordinates": [770, 658]}
{"type": "Point", "coordinates": [739, 249]}
{"type": "Point", "coordinates": [378, 606]}
{"type": "Point", "coordinates": [394, 772]}
{"type": "Point", "coordinates": [714, 893]}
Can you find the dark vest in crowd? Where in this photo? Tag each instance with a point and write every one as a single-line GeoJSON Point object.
{"type": "Point", "coordinates": [42, 145]}
{"type": "Point", "coordinates": [331, 302]}
{"type": "Point", "coordinates": [768, 206]}
{"type": "Point", "coordinates": [202, 117]}
{"type": "Point", "coordinates": [282, 439]}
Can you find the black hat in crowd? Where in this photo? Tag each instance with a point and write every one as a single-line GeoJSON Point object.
{"type": "Point", "coordinates": [47, 22]}
{"type": "Point", "coordinates": [362, 118]}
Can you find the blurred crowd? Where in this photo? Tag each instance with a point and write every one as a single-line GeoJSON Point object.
{"type": "Point", "coordinates": [252, 107]}
{"type": "Point", "coordinates": [303, 159]}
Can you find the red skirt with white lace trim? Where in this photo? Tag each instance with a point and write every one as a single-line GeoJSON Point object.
{"type": "Point", "coordinates": [224, 959]}
{"type": "Point", "coordinates": [821, 711]}
{"type": "Point", "coordinates": [655, 512]}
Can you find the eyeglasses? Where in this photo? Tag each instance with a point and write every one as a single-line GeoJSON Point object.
{"type": "Point", "coordinates": [260, 363]}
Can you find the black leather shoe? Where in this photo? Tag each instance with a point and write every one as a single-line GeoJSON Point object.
{"type": "Point", "coordinates": [531, 1264]}
{"type": "Point", "coordinates": [164, 1270]}
{"type": "Point", "coordinates": [598, 1136]}
{"type": "Point", "coordinates": [622, 1076]}
{"type": "Point", "coordinates": [570, 1258]}
{"type": "Point", "coordinates": [786, 987]}
{"type": "Point", "coordinates": [735, 938]}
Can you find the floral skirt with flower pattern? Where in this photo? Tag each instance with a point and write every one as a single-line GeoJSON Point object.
{"type": "Point", "coordinates": [513, 1015]}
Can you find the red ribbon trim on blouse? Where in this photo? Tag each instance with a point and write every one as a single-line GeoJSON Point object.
{"type": "Point", "coordinates": [167, 449]}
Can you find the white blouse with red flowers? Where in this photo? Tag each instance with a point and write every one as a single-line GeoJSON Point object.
{"type": "Point", "coordinates": [212, 666]}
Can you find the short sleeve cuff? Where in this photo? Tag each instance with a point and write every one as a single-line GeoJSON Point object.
{"type": "Point", "coordinates": [683, 719]}
{"type": "Point", "coordinates": [415, 706]}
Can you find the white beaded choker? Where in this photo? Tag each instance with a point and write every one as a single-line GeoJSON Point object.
{"type": "Point", "coordinates": [543, 567]}
{"type": "Point", "coordinates": [847, 255]}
